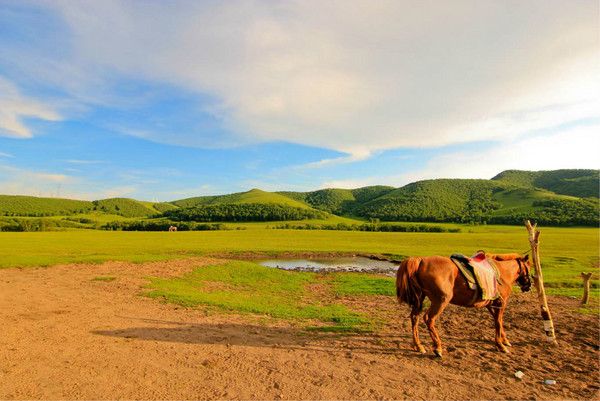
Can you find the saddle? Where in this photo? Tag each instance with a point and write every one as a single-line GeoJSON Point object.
{"type": "Point", "coordinates": [480, 272]}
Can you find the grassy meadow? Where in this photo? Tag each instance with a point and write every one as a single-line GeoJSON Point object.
{"type": "Point", "coordinates": [316, 301]}
{"type": "Point", "coordinates": [565, 252]}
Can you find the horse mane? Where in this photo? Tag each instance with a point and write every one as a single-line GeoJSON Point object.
{"type": "Point", "coordinates": [505, 256]}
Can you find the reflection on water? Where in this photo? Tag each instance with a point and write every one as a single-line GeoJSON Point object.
{"type": "Point", "coordinates": [346, 264]}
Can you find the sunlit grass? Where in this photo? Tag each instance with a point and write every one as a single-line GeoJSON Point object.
{"type": "Point", "coordinates": [362, 284]}
{"type": "Point", "coordinates": [565, 252]}
{"type": "Point", "coordinates": [246, 287]}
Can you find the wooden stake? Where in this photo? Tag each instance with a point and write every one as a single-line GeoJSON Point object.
{"type": "Point", "coordinates": [538, 280]}
{"type": "Point", "coordinates": [586, 287]}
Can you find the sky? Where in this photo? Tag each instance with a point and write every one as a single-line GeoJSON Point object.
{"type": "Point", "coordinates": [162, 100]}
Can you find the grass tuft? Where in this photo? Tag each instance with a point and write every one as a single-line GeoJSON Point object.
{"type": "Point", "coordinates": [104, 278]}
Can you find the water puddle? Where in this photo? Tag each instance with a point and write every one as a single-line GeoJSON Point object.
{"type": "Point", "coordinates": [357, 264]}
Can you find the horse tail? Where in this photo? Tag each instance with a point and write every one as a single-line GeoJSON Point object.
{"type": "Point", "coordinates": [408, 289]}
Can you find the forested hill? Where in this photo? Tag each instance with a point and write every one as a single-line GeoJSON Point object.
{"type": "Point", "coordinates": [560, 197]}
{"type": "Point", "coordinates": [579, 183]}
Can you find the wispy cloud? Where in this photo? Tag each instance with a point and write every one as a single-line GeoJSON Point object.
{"type": "Point", "coordinates": [358, 155]}
{"type": "Point", "coordinates": [560, 150]}
{"type": "Point", "coordinates": [23, 181]}
{"type": "Point", "coordinates": [378, 76]}
{"type": "Point", "coordinates": [15, 107]}
{"type": "Point", "coordinates": [18, 181]}
{"type": "Point", "coordinates": [8, 155]}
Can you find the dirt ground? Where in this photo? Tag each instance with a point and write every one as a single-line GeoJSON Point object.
{"type": "Point", "coordinates": [65, 336]}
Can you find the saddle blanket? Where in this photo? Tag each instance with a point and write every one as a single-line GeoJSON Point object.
{"type": "Point", "coordinates": [480, 272]}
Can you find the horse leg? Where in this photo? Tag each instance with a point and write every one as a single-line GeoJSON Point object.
{"type": "Point", "coordinates": [436, 308]}
{"type": "Point", "coordinates": [503, 338]}
{"type": "Point", "coordinates": [497, 312]}
{"type": "Point", "coordinates": [414, 320]}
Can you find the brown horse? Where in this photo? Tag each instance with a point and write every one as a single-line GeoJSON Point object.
{"type": "Point", "coordinates": [438, 279]}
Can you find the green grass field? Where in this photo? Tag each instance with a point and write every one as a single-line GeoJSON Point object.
{"type": "Point", "coordinates": [565, 252]}
{"type": "Point", "coordinates": [313, 301]}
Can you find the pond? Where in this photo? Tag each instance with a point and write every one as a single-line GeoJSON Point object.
{"type": "Point", "coordinates": [358, 264]}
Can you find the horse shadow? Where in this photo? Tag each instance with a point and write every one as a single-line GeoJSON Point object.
{"type": "Point", "coordinates": [252, 335]}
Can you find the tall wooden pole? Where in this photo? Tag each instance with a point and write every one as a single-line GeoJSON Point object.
{"type": "Point", "coordinates": [538, 280]}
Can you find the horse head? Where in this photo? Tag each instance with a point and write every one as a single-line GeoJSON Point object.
{"type": "Point", "coordinates": [524, 278]}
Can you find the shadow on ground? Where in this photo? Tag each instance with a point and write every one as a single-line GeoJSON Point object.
{"type": "Point", "coordinates": [236, 334]}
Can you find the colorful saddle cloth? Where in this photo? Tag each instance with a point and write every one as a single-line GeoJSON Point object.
{"type": "Point", "coordinates": [480, 272]}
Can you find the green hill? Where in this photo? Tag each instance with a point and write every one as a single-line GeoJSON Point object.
{"type": "Point", "coordinates": [560, 197]}
{"type": "Point", "coordinates": [579, 183]}
{"type": "Point", "coordinates": [366, 194]}
{"type": "Point", "coordinates": [18, 205]}
{"type": "Point", "coordinates": [434, 200]}
{"type": "Point", "coordinates": [493, 201]}
{"type": "Point", "coordinates": [125, 207]}
{"type": "Point", "coordinates": [330, 200]}
{"type": "Point", "coordinates": [241, 212]}
{"type": "Point", "coordinates": [253, 196]}
{"type": "Point", "coordinates": [338, 201]}
{"type": "Point", "coordinates": [162, 207]}
{"type": "Point", "coordinates": [253, 205]}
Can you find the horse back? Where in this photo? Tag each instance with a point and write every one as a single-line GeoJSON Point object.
{"type": "Point", "coordinates": [442, 281]}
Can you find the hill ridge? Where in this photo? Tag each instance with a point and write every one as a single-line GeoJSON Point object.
{"type": "Point", "coordinates": [553, 197]}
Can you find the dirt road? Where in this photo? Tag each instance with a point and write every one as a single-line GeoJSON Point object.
{"type": "Point", "coordinates": [66, 336]}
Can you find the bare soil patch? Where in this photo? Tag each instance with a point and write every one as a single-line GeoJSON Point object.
{"type": "Point", "coordinates": [66, 336]}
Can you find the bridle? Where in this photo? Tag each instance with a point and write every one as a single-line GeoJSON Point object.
{"type": "Point", "coordinates": [523, 277]}
{"type": "Point", "coordinates": [521, 267]}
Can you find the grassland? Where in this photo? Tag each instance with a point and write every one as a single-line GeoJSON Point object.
{"type": "Point", "coordinates": [565, 251]}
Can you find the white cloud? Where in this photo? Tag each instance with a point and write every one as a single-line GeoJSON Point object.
{"type": "Point", "coordinates": [22, 181]}
{"type": "Point", "coordinates": [4, 154]}
{"type": "Point", "coordinates": [354, 76]}
{"type": "Point", "coordinates": [14, 107]}
{"type": "Point", "coordinates": [356, 156]}
{"type": "Point", "coordinates": [576, 147]}
{"type": "Point", "coordinates": [17, 181]}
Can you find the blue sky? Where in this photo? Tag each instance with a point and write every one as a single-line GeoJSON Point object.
{"type": "Point", "coordinates": [165, 100]}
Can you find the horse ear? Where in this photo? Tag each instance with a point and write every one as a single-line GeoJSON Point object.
{"type": "Point", "coordinates": [526, 258]}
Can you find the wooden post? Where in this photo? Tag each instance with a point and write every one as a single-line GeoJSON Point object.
{"type": "Point", "coordinates": [586, 287]}
{"type": "Point", "coordinates": [538, 280]}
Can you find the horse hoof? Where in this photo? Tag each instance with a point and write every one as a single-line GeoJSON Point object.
{"type": "Point", "coordinates": [438, 352]}
{"type": "Point", "coordinates": [419, 348]}
{"type": "Point", "coordinates": [502, 348]}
